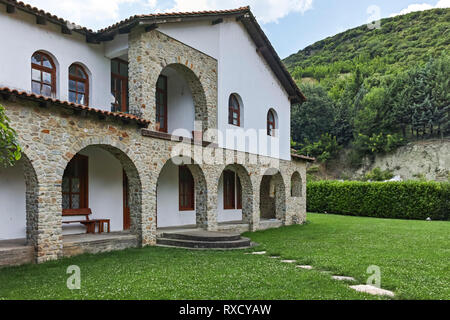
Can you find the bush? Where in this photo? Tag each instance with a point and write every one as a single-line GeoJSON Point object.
{"type": "Point", "coordinates": [397, 200]}
{"type": "Point", "coordinates": [378, 175]}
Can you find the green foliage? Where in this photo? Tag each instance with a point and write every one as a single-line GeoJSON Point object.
{"type": "Point", "coordinates": [10, 150]}
{"type": "Point", "coordinates": [399, 200]}
{"type": "Point", "coordinates": [378, 175]}
{"type": "Point", "coordinates": [323, 149]}
{"type": "Point", "coordinates": [376, 89]}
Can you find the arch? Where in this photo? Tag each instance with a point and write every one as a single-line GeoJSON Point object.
{"type": "Point", "coordinates": [79, 84]}
{"type": "Point", "coordinates": [168, 211]}
{"type": "Point", "coordinates": [128, 163]}
{"type": "Point", "coordinates": [272, 196]}
{"type": "Point", "coordinates": [246, 190]}
{"type": "Point", "coordinates": [235, 110]}
{"type": "Point", "coordinates": [194, 88]}
{"type": "Point", "coordinates": [272, 122]}
{"type": "Point", "coordinates": [296, 185]}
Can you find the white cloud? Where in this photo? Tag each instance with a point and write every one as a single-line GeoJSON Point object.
{"type": "Point", "coordinates": [100, 13]}
{"type": "Point", "coordinates": [266, 11]}
{"type": "Point", "coordinates": [89, 13]}
{"type": "Point", "coordinates": [422, 7]}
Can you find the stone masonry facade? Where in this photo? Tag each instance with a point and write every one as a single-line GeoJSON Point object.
{"type": "Point", "coordinates": [51, 136]}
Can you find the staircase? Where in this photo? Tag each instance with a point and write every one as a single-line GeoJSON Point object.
{"type": "Point", "coordinates": [200, 239]}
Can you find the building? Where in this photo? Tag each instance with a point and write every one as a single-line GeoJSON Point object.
{"type": "Point", "coordinates": [158, 121]}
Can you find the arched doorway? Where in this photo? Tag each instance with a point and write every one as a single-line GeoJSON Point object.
{"type": "Point", "coordinates": [181, 195]}
{"type": "Point", "coordinates": [180, 101]}
{"type": "Point", "coordinates": [235, 195]}
{"type": "Point", "coordinates": [103, 182]}
{"type": "Point", "coordinates": [272, 196]}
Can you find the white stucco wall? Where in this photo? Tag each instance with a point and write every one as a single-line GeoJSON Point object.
{"type": "Point", "coordinates": [22, 37]}
{"type": "Point", "coordinates": [226, 215]}
{"type": "Point", "coordinates": [12, 203]}
{"type": "Point", "coordinates": [105, 190]}
{"type": "Point", "coordinates": [168, 213]}
{"type": "Point", "coordinates": [241, 70]}
{"type": "Point", "coordinates": [180, 106]}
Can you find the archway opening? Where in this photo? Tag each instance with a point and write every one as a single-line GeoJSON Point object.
{"type": "Point", "coordinates": [235, 195]}
{"type": "Point", "coordinates": [101, 192]}
{"type": "Point", "coordinates": [180, 101]}
{"type": "Point", "coordinates": [272, 196]}
{"type": "Point", "coordinates": [181, 195]}
{"type": "Point", "coordinates": [296, 185]}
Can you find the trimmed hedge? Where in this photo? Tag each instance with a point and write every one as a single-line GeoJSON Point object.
{"type": "Point", "coordinates": [397, 200]}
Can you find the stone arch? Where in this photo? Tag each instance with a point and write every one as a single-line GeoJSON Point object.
{"type": "Point", "coordinates": [149, 53]}
{"type": "Point", "coordinates": [296, 185]}
{"type": "Point", "coordinates": [272, 196]}
{"type": "Point", "coordinates": [247, 190]}
{"type": "Point", "coordinates": [128, 162]}
{"type": "Point", "coordinates": [31, 199]}
{"type": "Point", "coordinates": [200, 185]}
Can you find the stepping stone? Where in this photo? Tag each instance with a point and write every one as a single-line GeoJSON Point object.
{"type": "Point", "coordinates": [257, 253]}
{"type": "Point", "coordinates": [372, 290]}
{"type": "Point", "coordinates": [305, 267]}
{"type": "Point", "coordinates": [274, 257]}
{"type": "Point", "coordinates": [343, 278]}
{"type": "Point", "coordinates": [288, 261]}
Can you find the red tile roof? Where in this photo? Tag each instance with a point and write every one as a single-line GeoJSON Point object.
{"type": "Point", "coordinates": [301, 157]}
{"type": "Point", "coordinates": [252, 26]}
{"type": "Point", "coordinates": [74, 106]}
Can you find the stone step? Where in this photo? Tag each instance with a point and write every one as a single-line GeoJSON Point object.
{"type": "Point", "coordinates": [202, 236]}
{"type": "Point", "coordinates": [203, 244]}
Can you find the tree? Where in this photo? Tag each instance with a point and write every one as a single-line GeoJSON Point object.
{"type": "Point", "coordinates": [314, 117]}
{"type": "Point", "coordinates": [10, 150]}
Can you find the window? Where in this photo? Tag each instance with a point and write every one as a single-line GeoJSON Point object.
{"type": "Point", "coordinates": [229, 192]}
{"type": "Point", "coordinates": [186, 189]}
{"type": "Point", "coordinates": [75, 184]}
{"type": "Point", "coordinates": [119, 85]}
{"type": "Point", "coordinates": [78, 85]}
{"type": "Point", "coordinates": [161, 104]}
{"type": "Point", "coordinates": [234, 111]}
{"type": "Point", "coordinates": [43, 75]}
{"type": "Point", "coordinates": [271, 123]}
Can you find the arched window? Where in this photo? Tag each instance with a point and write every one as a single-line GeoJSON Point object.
{"type": "Point", "coordinates": [271, 123]}
{"type": "Point", "coordinates": [234, 111]}
{"type": "Point", "coordinates": [78, 85]}
{"type": "Point", "coordinates": [43, 74]}
{"type": "Point", "coordinates": [296, 185]}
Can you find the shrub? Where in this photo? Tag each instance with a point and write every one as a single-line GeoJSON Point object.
{"type": "Point", "coordinates": [378, 175]}
{"type": "Point", "coordinates": [398, 200]}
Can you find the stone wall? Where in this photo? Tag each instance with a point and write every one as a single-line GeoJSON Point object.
{"type": "Point", "coordinates": [50, 136]}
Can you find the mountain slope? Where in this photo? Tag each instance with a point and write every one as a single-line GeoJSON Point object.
{"type": "Point", "coordinates": [400, 42]}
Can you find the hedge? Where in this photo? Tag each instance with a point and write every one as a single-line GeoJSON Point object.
{"type": "Point", "coordinates": [398, 200]}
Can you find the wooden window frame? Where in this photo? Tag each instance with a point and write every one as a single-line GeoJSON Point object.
{"type": "Point", "coordinates": [229, 190]}
{"type": "Point", "coordinates": [41, 69]}
{"type": "Point", "coordinates": [271, 124]}
{"type": "Point", "coordinates": [124, 88]}
{"type": "Point", "coordinates": [165, 94]}
{"type": "Point", "coordinates": [186, 183]}
{"type": "Point", "coordinates": [79, 79]}
{"type": "Point", "coordinates": [84, 184]}
{"type": "Point", "coordinates": [232, 110]}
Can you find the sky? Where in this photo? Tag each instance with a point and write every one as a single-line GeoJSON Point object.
{"type": "Point", "coordinates": [291, 25]}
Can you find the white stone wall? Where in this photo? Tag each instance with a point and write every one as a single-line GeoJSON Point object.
{"type": "Point", "coordinates": [22, 37]}
{"type": "Point", "coordinates": [12, 203]}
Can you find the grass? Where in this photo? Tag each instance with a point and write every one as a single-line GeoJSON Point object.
{"type": "Point", "coordinates": [413, 257]}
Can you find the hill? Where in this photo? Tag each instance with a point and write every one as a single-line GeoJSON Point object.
{"type": "Point", "coordinates": [374, 90]}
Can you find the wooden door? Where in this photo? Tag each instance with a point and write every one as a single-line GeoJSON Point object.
{"type": "Point", "coordinates": [126, 203]}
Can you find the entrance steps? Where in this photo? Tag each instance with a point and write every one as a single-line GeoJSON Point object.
{"type": "Point", "coordinates": [200, 239]}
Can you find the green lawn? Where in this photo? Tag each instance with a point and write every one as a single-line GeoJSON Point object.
{"type": "Point", "coordinates": [413, 257]}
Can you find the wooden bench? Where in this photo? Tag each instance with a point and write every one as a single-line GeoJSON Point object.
{"type": "Point", "coordinates": [89, 224]}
